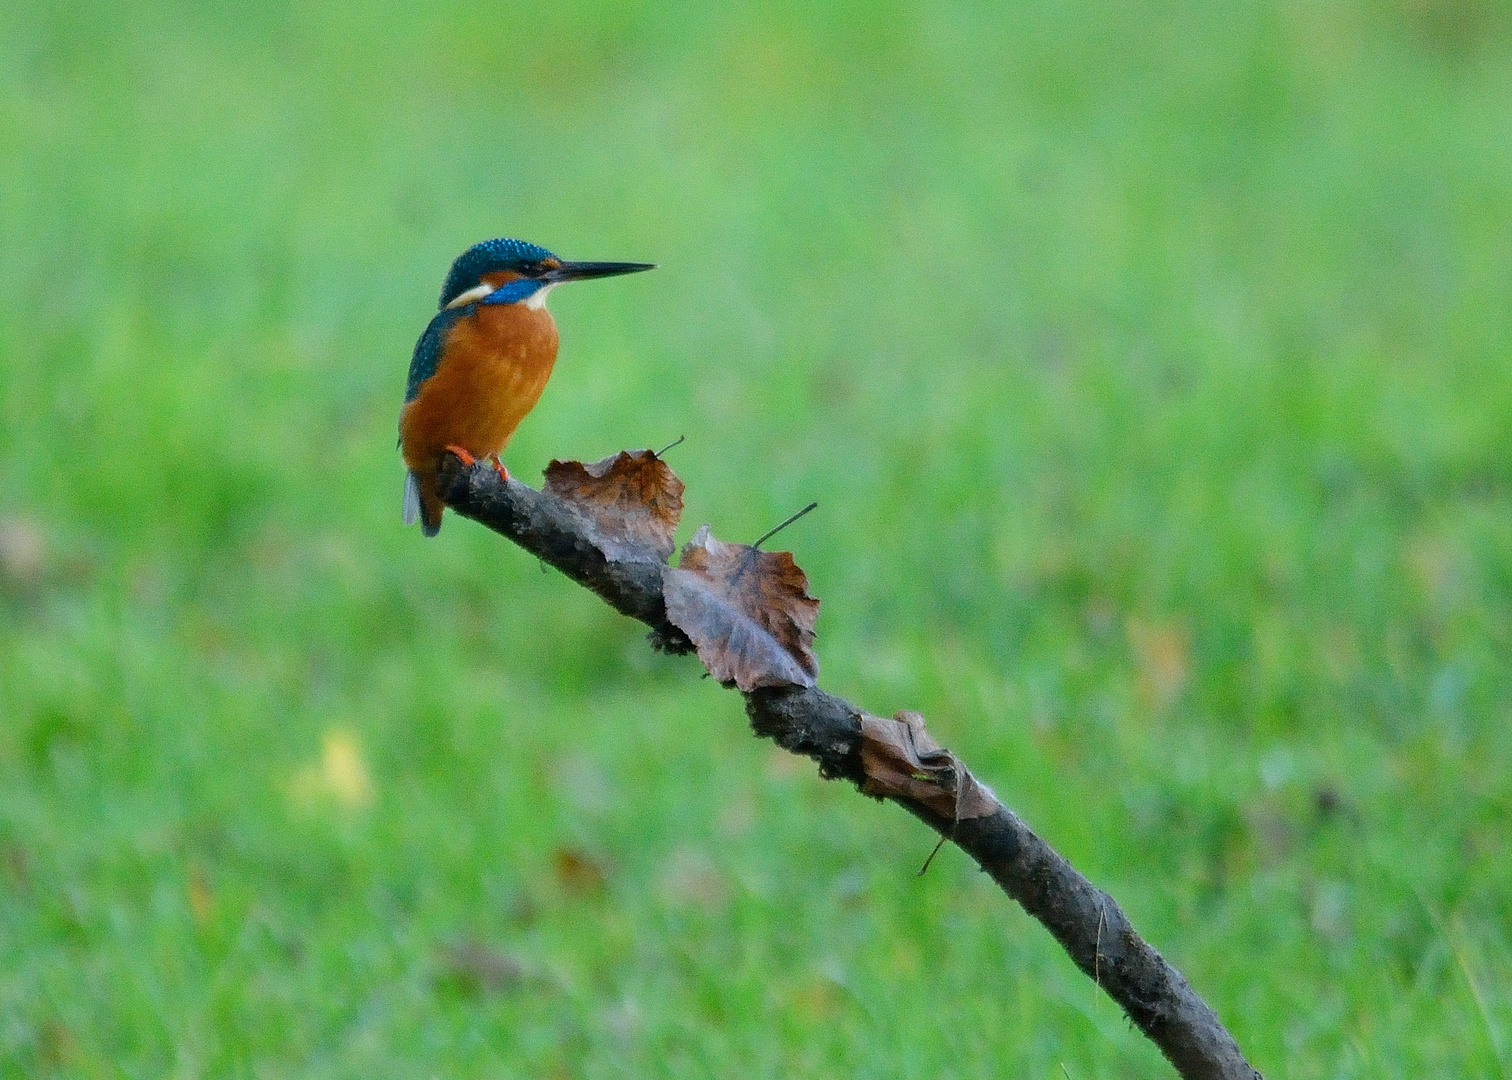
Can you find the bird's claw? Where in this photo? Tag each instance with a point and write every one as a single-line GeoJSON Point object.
{"type": "Point", "coordinates": [463, 455]}
{"type": "Point", "coordinates": [499, 467]}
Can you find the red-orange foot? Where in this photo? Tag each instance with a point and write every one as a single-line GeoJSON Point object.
{"type": "Point", "coordinates": [499, 467]}
{"type": "Point", "coordinates": [467, 459]}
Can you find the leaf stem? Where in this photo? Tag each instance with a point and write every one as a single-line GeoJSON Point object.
{"type": "Point", "coordinates": [764, 537]}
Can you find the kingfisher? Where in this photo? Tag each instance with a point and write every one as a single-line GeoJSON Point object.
{"type": "Point", "coordinates": [482, 362]}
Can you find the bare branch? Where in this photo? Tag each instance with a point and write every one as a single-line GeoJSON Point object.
{"type": "Point", "coordinates": [1088, 923]}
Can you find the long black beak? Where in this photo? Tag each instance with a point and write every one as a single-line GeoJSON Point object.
{"type": "Point", "coordinates": [577, 271]}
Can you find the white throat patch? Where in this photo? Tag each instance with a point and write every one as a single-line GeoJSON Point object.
{"type": "Point", "coordinates": [537, 300]}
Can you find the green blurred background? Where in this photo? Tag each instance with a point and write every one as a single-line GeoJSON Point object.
{"type": "Point", "coordinates": [1149, 363]}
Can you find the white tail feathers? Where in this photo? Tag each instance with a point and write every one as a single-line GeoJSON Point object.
{"type": "Point", "coordinates": [411, 499]}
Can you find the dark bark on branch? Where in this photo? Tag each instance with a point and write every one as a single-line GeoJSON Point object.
{"type": "Point", "coordinates": [1087, 922]}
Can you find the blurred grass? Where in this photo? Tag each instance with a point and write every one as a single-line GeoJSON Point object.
{"type": "Point", "coordinates": [1149, 363]}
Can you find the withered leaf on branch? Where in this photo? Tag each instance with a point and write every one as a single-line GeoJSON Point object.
{"type": "Point", "coordinates": [747, 611]}
{"type": "Point", "coordinates": [901, 761]}
{"type": "Point", "coordinates": [631, 500]}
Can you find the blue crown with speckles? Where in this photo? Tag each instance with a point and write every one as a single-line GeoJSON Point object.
{"type": "Point", "coordinates": [488, 257]}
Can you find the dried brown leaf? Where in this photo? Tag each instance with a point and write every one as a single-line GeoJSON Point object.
{"type": "Point", "coordinates": [579, 872]}
{"type": "Point", "coordinates": [901, 761]}
{"type": "Point", "coordinates": [201, 896]}
{"type": "Point", "coordinates": [16, 865]}
{"type": "Point", "coordinates": [631, 501]}
{"type": "Point", "coordinates": [23, 552]}
{"type": "Point", "coordinates": [1164, 653]}
{"type": "Point", "coordinates": [471, 968]}
{"type": "Point", "coordinates": [747, 612]}
{"type": "Point", "coordinates": [58, 1046]}
{"type": "Point", "coordinates": [689, 878]}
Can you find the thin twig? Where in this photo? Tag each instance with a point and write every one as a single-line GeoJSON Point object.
{"type": "Point", "coordinates": [932, 853]}
{"type": "Point", "coordinates": [764, 537]}
{"type": "Point", "coordinates": [675, 442]}
{"type": "Point", "coordinates": [1097, 950]}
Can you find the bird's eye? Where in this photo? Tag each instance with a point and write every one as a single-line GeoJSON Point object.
{"type": "Point", "coordinates": [532, 269]}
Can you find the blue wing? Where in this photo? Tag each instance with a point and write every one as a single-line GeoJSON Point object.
{"type": "Point", "coordinates": [429, 348]}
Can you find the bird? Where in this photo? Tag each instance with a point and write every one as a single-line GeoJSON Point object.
{"type": "Point", "coordinates": [482, 362]}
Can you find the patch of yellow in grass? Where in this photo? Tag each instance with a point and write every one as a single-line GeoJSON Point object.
{"type": "Point", "coordinates": [201, 898]}
{"type": "Point", "coordinates": [341, 774]}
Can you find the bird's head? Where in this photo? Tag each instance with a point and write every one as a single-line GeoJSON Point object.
{"type": "Point", "coordinates": [513, 272]}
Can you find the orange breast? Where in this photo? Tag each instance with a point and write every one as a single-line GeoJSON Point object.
{"type": "Point", "coordinates": [491, 374]}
